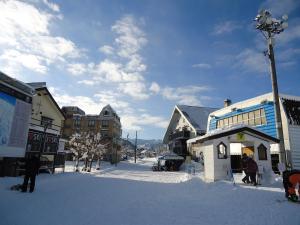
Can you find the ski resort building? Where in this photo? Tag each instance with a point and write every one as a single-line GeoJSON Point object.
{"type": "Point", "coordinates": [259, 113]}
{"type": "Point", "coordinates": [186, 122]}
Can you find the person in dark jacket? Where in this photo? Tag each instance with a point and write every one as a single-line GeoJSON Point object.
{"type": "Point", "coordinates": [244, 167]}
{"type": "Point", "coordinates": [290, 180]}
{"type": "Point", "coordinates": [252, 169]}
{"type": "Point", "coordinates": [31, 169]}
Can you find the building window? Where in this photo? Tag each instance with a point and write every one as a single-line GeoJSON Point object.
{"type": "Point", "coordinates": [253, 118]}
{"type": "Point", "coordinates": [106, 113]}
{"type": "Point", "coordinates": [46, 122]}
{"type": "Point", "coordinates": [222, 151]}
{"type": "Point", "coordinates": [91, 123]}
{"type": "Point", "coordinates": [104, 133]}
{"type": "Point", "coordinates": [262, 152]}
{"type": "Point", "coordinates": [77, 123]}
{"type": "Point", "coordinates": [104, 123]}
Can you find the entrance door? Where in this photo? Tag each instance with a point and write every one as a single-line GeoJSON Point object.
{"type": "Point", "coordinates": [248, 150]}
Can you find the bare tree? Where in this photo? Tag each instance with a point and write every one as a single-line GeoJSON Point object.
{"type": "Point", "coordinates": [87, 146]}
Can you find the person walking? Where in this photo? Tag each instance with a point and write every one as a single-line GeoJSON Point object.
{"type": "Point", "coordinates": [244, 167]}
{"type": "Point", "coordinates": [31, 169]}
{"type": "Point", "coordinates": [252, 169]}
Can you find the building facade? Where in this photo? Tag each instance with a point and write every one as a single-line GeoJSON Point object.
{"type": "Point", "coordinates": [259, 113]}
{"type": "Point", "coordinates": [44, 136]}
{"type": "Point", "coordinates": [107, 123]}
{"type": "Point", "coordinates": [186, 122]}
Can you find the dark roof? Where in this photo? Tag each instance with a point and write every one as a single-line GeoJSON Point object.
{"type": "Point", "coordinates": [27, 89]}
{"type": "Point", "coordinates": [234, 130]}
{"type": "Point", "coordinates": [197, 116]}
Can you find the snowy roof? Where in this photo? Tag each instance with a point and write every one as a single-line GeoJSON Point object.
{"type": "Point", "coordinates": [16, 84]}
{"type": "Point", "coordinates": [197, 116]}
{"type": "Point", "coordinates": [229, 131]}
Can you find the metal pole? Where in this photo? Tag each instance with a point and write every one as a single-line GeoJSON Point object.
{"type": "Point", "coordinates": [282, 154]}
{"type": "Point", "coordinates": [135, 146]}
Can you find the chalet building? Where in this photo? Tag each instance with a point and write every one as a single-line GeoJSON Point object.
{"type": "Point", "coordinates": [107, 123]}
{"type": "Point", "coordinates": [186, 122]}
{"type": "Point", "coordinates": [45, 127]}
{"type": "Point", "coordinates": [15, 111]}
{"type": "Point", "coordinates": [259, 113]}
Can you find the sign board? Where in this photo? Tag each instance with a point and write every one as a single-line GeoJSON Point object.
{"type": "Point", "coordinates": [240, 137]}
{"type": "Point", "coordinates": [14, 122]}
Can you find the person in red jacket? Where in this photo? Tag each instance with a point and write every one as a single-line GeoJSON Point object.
{"type": "Point", "coordinates": [290, 180]}
{"type": "Point", "coordinates": [252, 170]}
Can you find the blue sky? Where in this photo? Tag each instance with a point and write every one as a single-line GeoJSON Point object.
{"type": "Point", "coordinates": [143, 57]}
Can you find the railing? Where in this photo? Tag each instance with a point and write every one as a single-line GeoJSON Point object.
{"type": "Point", "coordinates": [185, 134]}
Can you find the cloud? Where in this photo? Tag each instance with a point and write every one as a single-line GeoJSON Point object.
{"type": "Point", "coordinates": [77, 68]}
{"type": "Point", "coordinates": [136, 90]}
{"type": "Point", "coordinates": [51, 5]}
{"type": "Point", "coordinates": [25, 32]}
{"type": "Point", "coordinates": [129, 120]}
{"type": "Point", "coordinates": [12, 60]}
{"type": "Point", "coordinates": [279, 8]}
{"type": "Point", "coordinates": [202, 66]}
{"type": "Point", "coordinates": [154, 88]}
{"type": "Point", "coordinates": [106, 49]}
{"type": "Point", "coordinates": [187, 95]}
{"type": "Point", "coordinates": [130, 37]}
{"type": "Point", "coordinates": [226, 27]}
{"type": "Point", "coordinates": [251, 61]}
{"type": "Point", "coordinates": [292, 33]}
{"type": "Point", "coordinates": [123, 65]}
{"type": "Point", "coordinates": [132, 122]}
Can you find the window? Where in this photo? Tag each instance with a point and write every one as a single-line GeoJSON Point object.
{"type": "Point", "coordinates": [222, 151]}
{"type": "Point", "coordinates": [263, 117]}
{"type": "Point", "coordinates": [105, 123]}
{"type": "Point", "coordinates": [226, 122]}
{"type": "Point", "coordinates": [46, 122]}
{"type": "Point", "coordinates": [251, 118]}
{"type": "Point", "coordinates": [262, 152]}
{"type": "Point", "coordinates": [245, 118]}
{"type": "Point", "coordinates": [106, 113]}
{"type": "Point", "coordinates": [240, 118]}
{"type": "Point", "coordinates": [77, 122]}
{"type": "Point", "coordinates": [104, 133]}
{"type": "Point", "coordinates": [91, 123]}
{"type": "Point", "coordinates": [234, 120]}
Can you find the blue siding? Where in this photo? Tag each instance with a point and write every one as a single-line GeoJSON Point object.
{"type": "Point", "coordinates": [269, 128]}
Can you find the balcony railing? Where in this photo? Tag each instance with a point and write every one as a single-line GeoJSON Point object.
{"type": "Point", "coordinates": [185, 134]}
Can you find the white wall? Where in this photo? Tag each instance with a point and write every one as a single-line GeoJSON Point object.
{"type": "Point", "coordinates": [222, 166]}
{"type": "Point", "coordinates": [295, 145]}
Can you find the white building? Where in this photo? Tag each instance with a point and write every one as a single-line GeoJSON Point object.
{"type": "Point", "coordinates": [259, 113]}
{"type": "Point", "coordinates": [186, 122]}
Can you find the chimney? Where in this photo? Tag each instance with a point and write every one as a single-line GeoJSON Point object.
{"type": "Point", "coordinates": [227, 102]}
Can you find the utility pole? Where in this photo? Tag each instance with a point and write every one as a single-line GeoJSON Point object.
{"type": "Point", "coordinates": [135, 147]}
{"type": "Point", "coordinates": [269, 27]}
{"type": "Point", "coordinates": [282, 154]}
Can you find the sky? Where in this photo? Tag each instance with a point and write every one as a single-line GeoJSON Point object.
{"type": "Point", "coordinates": [145, 56]}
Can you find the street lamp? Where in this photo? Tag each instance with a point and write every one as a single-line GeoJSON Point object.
{"type": "Point", "coordinates": [270, 27]}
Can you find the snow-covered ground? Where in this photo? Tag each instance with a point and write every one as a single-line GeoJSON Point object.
{"type": "Point", "coordinates": [131, 194]}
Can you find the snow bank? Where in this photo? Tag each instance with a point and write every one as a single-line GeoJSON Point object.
{"type": "Point", "coordinates": [131, 194]}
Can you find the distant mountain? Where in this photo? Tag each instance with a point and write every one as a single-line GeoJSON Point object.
{"type": "Point", "coordinates": [148, 144]}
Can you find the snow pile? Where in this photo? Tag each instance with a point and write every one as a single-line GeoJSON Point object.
{"type": "Point", "coordinates": [131, 194]}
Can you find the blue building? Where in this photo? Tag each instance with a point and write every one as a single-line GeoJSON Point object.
{"type": "Point", "coordinates": [259, 113]}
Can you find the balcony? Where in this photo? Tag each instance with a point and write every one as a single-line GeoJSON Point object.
{"type": "Point", "coordinates": [185, 134]}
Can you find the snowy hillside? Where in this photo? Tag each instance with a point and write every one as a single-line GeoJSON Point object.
{"type": "Point", "coordinates": [131, 194]}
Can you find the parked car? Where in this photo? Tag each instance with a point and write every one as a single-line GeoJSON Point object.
{"type": "Point", "coordinates": [168, 162]}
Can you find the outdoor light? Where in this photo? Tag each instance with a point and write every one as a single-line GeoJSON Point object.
{"type": "Point", "coordinates": [269, 27]}
{"type": "Point", "coordinates": [265, 22]}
